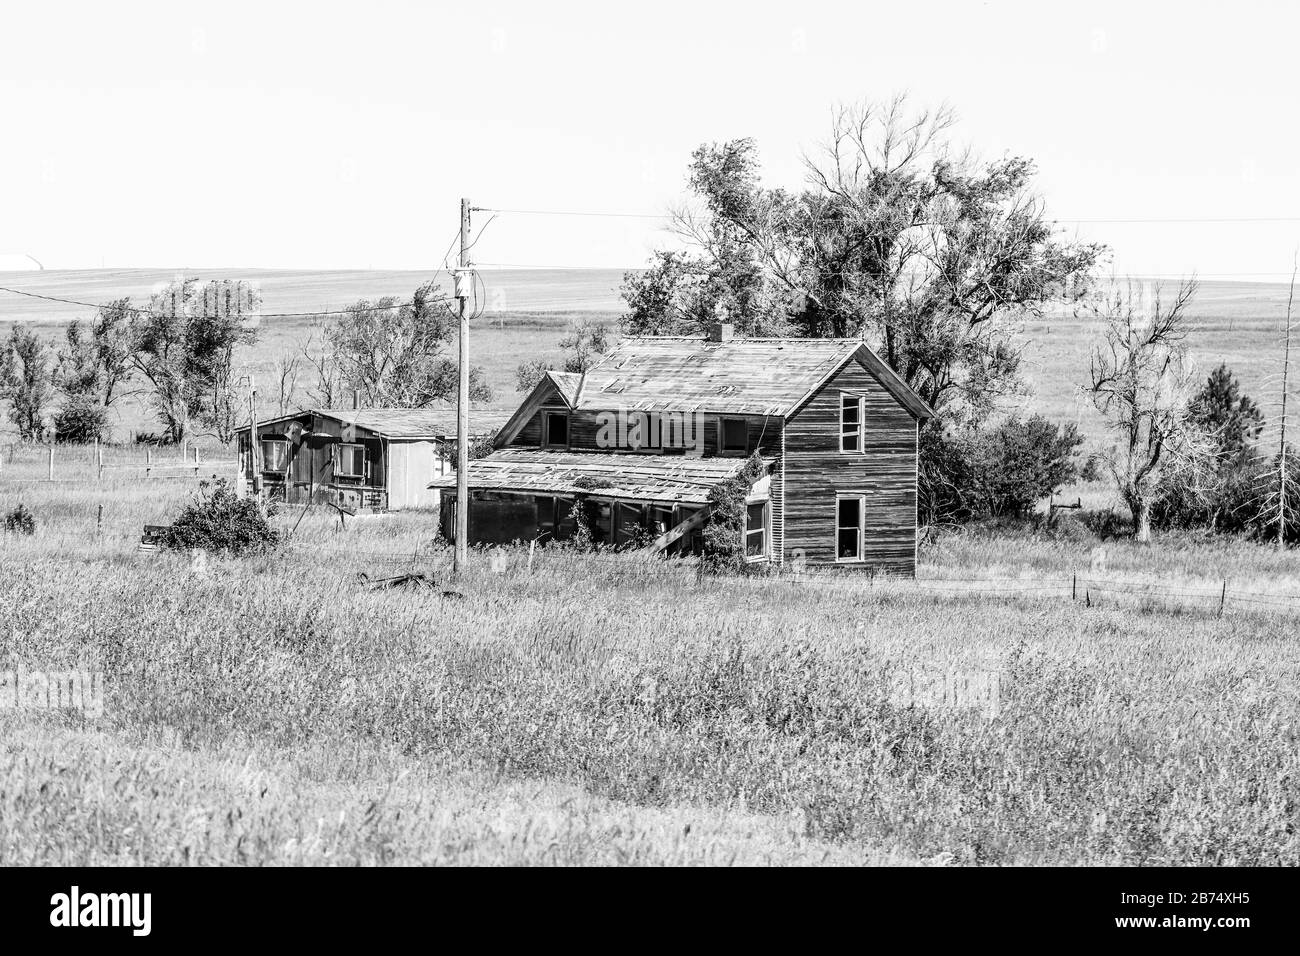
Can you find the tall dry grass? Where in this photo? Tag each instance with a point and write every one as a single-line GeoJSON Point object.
{"type": "Point", "coordinates": [692, 720]}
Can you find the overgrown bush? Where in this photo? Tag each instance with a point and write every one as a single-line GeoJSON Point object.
{"type": "Point", "coordinates": [221, 522]}
{"type": "Point", "coordinates": [20, 521]}
{"type": "Point", "coordinates": [1000, 471]}
{"type": "Point", "coordinates": [724, 529]}
{"type": "Point", "coordinates": [81, 420]}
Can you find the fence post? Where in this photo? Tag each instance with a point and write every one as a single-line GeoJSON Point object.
{"type": "Point", "coordinates": [51, 461]}
{"type": "Point", "coordinates": [148, 460]}
{"type": "Point", "coordinates": [99, 461]}
{"type": "Point", "coordinates": [1074, 587]}
{"type": "Point", "coordinates": [1223, 596]}
{"type": "Point", "coordinates": [99, 523]}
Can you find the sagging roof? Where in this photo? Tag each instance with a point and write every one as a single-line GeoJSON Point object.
{"type": "Point", "coordinates": [666, 478]}
{"type": "Point", "coordinates": [438, 421]}
{"type": "Point", "coordinates": [749, 376]}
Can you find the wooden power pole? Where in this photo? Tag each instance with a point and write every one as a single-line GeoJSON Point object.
{"type": "Point", "coordinates": [462, 397]}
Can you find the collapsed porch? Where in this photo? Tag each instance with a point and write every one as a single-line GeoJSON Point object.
{"type": "Point", "coordinates": [637, 501]}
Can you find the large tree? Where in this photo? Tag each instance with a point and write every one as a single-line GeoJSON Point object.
{"type": "Point", "coordinates": [392, 353]}
{"type": "Point", "coordinates": [184, 346]}
{"type": "Point", "coordinates": [26, 381]}
{"type": "Point", "coordinates": [929, 254]}
{"type": "Point", "coordinates": [95, 359]}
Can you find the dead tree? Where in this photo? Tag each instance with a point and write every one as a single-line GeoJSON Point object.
{"type": "Point", "coordinates": [1140, 377]}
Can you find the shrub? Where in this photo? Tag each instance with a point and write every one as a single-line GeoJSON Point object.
{"type": "Point", "coordinates": [221, 522]}
{"type": "Point", "coordinates": [81, 420]}
{"type": "Point", "coordinates": [20, 521]}
{"type": "Point", "coordinates": [1107, 524]}
{"type": "Point", "coordinates": [993, 472]}
{"type": "Point", "coordinates": [724, 530]}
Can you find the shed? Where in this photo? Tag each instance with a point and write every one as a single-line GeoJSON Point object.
{"type": "Point", "coordinates": [376, 459]}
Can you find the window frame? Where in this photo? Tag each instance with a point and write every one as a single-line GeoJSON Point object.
{"type": "Point", "coordinates": [338, 460]}
{"type": "Point", "coordinates": [722, 435]}
{"type": "Point", "coordinates": [861, 499]}
{"type": "Point", "coordinates": [288, 456]}
{"type": "Point", "coordinates": [766, 530]}
{"type": "Point", "coordinates": [546, 427]}
{"type": "Point", "coordinates": [861, 429]}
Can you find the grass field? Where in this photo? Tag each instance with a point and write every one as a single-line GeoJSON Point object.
{"type": "Point", "coordinates": [617, 709]}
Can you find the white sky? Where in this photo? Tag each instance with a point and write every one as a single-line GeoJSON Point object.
{"type": "Point", "coordinates": [341, 135]}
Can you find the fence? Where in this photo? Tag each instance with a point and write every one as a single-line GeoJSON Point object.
{"type": "Point", "coordinates": [30, 462]}
{"type": "Point", "coordinates": [1084, 590]}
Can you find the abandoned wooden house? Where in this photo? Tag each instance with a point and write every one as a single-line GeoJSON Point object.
{"type": "Point", "coordinates": [372, 459]}
{"type": "Point", "coordinates": [643, 438]}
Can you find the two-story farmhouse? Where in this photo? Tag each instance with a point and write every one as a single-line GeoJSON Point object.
{"type": "Point", "coordinates": [640, 440]}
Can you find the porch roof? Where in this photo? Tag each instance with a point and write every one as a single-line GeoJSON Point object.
{"type": "Point", "coordinates": [665, 478]}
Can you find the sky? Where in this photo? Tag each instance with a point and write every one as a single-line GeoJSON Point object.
{"type": "Point", "coordinates": [343, 135]}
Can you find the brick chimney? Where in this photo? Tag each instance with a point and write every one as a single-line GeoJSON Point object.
{"type": "Point", "coordinates": [719, 332]}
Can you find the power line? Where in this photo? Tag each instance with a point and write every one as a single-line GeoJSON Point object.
{"type": "Point", "coordinates": [260, 315]}
{"type": "Point", "coordinates": [1181, 220]}
{"type": "Point", "coordinates": [577, 212]}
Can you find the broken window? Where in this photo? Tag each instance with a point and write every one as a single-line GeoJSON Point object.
{"type": "Point", "coordinates": [734, 435]}
{"type": "Point", "coordinates": [851, 409]}
{"type": "Point", "coordinates": [350, 461]}
{"type": "Point", "coordinates": [661, 519]}
{"type": "Point", "coordinates": [848, 527]}
{"type": "Point", "coordinates": [756, 529]}
{"type": "Point", "coordinates": [275, 454]}
{"type": "Point", "coordinates": [555, 426]}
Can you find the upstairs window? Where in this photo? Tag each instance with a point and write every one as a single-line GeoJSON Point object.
{"type": "Point", "coordinates": [733, 434]}
{"type": "Point", "coordinates": [275, 454]}
{"type": "Point", "coordinates": [851, 415]}
{"type": "Point", "coordinates": [555, 429]}
{"type": "Point", "coordinates": [350, 461]}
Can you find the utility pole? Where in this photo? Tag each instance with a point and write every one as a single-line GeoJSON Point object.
{"type": "Point", "coordinates": [462, 398]}
{"type": "Point", "coordinates": [254, 473]}
{"type": "Point", "coordinates": [1281, 459]}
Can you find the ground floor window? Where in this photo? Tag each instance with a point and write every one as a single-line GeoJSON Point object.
{"type": "Point", "coordinates": [275, 454]}
{"type": "Point", "coordinates": [849, 511]}
{"type": "Point", "coordinates": [756, 513]}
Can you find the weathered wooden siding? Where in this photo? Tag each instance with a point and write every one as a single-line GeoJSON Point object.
{"type": "Point", "coordinates": [814, 471]}
{"type": "Point", "coordinates": [764, 433]}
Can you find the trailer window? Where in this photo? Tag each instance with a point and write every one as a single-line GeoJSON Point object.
{"type": "Point", "coordinates": [350, 461]}
{"type": "Point", "coordinates": [275, 454]}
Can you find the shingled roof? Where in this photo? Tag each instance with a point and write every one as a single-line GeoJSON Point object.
{"type": "Point", "coordinates": [745, 376]}
{"type": "Point", "coordinates": [663, 478]}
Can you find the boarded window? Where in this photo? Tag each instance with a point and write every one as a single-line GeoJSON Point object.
{"type": "Point", "coordinates": [275, 454]}
{"type": "Point", "coordinates": [735, 435]}
{"type": "Point", "coordinates": [848, 528]}
{"type": "Point", "coordinates": [756, 529]}
{"type": "Point", "coordinates": [851, 408]}
{"type": "Point", "coordinates": [556, 428]}
{"type": "Point", "coordinates": [350, 461]}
